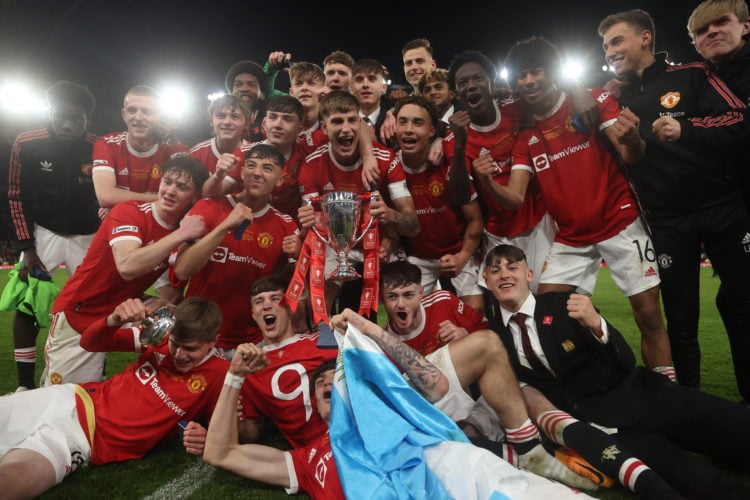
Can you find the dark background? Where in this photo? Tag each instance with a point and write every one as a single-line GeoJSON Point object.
{"type": "Point", "coordinates": [110, 46]}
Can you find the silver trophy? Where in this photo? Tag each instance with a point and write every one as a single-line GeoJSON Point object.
{"type": "Point", "coordinates": [157, 324]}
{"type": "Point", "coordinates": [341, 214]}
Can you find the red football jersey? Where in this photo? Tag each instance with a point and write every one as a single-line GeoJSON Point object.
{"type": "Point", "coordinates": [139, 407]}
{"type": "Point", "coordinates": [285, 198]}
{"type": "Point", "coordinates": [135, 171]}
{"type": "Point", "coordinates": [583, 188]}
{"type": "Point", "coordinates": [208, 154]}
{"type": "Point", "coordinates": [96, 287]}
{"type": "Point", "coordinates": [442, 223]}
{"type": "Point", "coordinates": [314, 471]}
{"type": "Point", "coordinates": [230, 272]}
{"type": "Point", "coordinates": [322, 174]}
{"type": "Point", "coordinates": [437, 307]}
{"type": "Point", "coordinates": [281, 391]}
{"type": "Point", "coordinates": [497, 141]}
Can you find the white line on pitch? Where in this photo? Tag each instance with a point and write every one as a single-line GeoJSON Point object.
{"type": "Point", "coordinates": [184, 486]}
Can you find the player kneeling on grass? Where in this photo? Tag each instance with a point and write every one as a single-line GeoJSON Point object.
{"type": "Point", "coordinates": [48, 432]}
{"type": "Point", "coordinates": [311, 468]}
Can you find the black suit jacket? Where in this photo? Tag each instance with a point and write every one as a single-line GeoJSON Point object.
{"type": "Point", "coordinates": [594, 382]}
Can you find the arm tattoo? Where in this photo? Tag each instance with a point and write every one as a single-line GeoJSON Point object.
{"type": "Point", "coordinates": [421, 372]}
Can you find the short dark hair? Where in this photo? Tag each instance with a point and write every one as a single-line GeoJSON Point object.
{"type": "Point", "coordinates": [196, 318]}
{"type": "Point", "coordinates": [534, 52]}
{"type": "Point", "coordinates": [417, 100]}
{"type": "Point", "coordinates": [417, 43]}
{"type": "Point", "coordinates": [285, 104]}
{"type": "Point", "coordinates": [339, 57]}
{"type": "Point", "coordinates": [304, 70]}
{"type": "Point", "coordinates": [319, 371]}
{"type": "Point", "coordinates": [338, 101]}
{"type": "Point", "coordinates": [368, 66]}
{"type": "Point", "coordinates": [72, 94]}
{"type": "Point", "coordinates": [266, 152]}
{"type": "Point", "coordinates": [508, 252]}
{"type": "Point", "coordinates": [469, 56]}
{"type": "Point", "coordinates": [637, 19]}
{"type": "Point", "coordinates": [399, 273]}
{"type": "Point", "coordinates": [189, 166]}
{"type": "Point", "coordinates": [271, 283]}
{"type": "Point", "coordinates": [250, 67]}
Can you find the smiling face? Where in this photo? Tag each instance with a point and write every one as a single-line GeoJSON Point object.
{"type": "Point", "coordinates": [272, 315]}
{"type": "Point", "coordinates": [536, 87]}
{"type": "Point", "coordinates": [307, 91]}
{"type": "Point", "coordinates": [260, 176]}
{"type": "Point", "coordinates": [402, 303]}
{"type": "Point", "coordinates": [187, 355]}
{"type": "Point", "coordinates": [417, 62]}
{"type": "Point", "coordinates": [626, 49]}
{"type": "Point", "coordinates": [141, 116]}
{"type": "Point", "coordinates": [440, 94]}
{"type": "Point", "coordinates": [247, 87]}
{"type": "Point", "coordinates": [721, 38]}
{"type": "Point", "coordinates": [228, 124]}
{"type": "Point", "coordinates": [509, 282]}
{"type": "Point", "coordinates": [414, 130]}
{"type": "Point", "coordinates": [281, 128]}
{"type": "Point", "coordinates": [342, 130]}
{"type": "Point", "coordinates": [368, 88]}
{"type": "Point", "coordinates": [474, 89]}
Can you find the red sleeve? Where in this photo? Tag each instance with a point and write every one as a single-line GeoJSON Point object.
{"type": "Point", "coordinates": [103, 154]}
{"type": "Point", "coordinates": [100, 337]}
{"type": "Point", "coordinates": [609, 108]}
{"type": "Point", "coordinates": [467, 317]}
{"type": "Point", "coordinates": [521, 154]}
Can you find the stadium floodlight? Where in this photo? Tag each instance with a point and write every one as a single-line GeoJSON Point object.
{"type": "Point", "coordinates": [174, 101]}
{"type": "Point", "coordinates": [215, 95]}
{"type": "Point", "coordinates": [18, 98]}
{"type": "Point", "coordinates": [504, 73]}
{"type": "Point", "coordinates": [572, 69]}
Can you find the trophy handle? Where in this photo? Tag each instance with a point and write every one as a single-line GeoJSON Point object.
{"type": "Point", "coordinates": [371, 196]}
{"type": "Point", "coordinates": [312, 202]}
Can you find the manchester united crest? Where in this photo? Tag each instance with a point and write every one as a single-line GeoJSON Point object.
{"type": "Point", "coordinates": [196, 384]}
{"type": "Point", "coordinates": [156, 172]}
{"type": "Point", "coordinates": [265, 239]}
{"type": "Point", "coordinates": [670, 99]}
{"type": "Point", "coordinates": [436, 188]}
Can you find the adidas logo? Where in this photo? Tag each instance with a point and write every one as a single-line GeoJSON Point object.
{"type": "Point", "coordinates": [329, 187]}
{"type": "Point", "coordinates": [46, 166]}
{"type": "Point", "coordinates": [746, 239]}
{"type": "Point", "coordinates": [484, 151]}
{"type": "Point", "coordinates": [311, 455]}
{"type": "Point", "coordinates": [124, 171]}
{"type": "Point", "coordinates": [650, 272]}
{"type": "Point", "coordinates": [534, 140]}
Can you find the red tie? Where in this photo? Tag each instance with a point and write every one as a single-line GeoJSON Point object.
{"type": "Point", "coordinates": [533, 359]}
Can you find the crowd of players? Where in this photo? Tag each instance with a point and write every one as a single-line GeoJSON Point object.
{"type": "Point", "coordinates": [494, 212]}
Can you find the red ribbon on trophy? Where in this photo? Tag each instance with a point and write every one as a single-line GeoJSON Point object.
{"type": "Point", "coordinates": [344, 216]}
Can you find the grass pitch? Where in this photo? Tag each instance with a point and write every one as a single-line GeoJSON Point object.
{"type": "Point", "coordinates": [170, 473]}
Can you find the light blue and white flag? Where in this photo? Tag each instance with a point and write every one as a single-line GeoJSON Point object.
{"type": "Point", "coordinates": [391, 443]}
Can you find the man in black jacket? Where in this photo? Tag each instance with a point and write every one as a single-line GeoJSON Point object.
{"type": "Point", "coordinates": [719, 30]}
{"type": "Point", "coordinates": [52, 202]}
{"type": "Point", "coordinates": [684, 131]}
{"type": "Point", "coordinates": [560, 346]}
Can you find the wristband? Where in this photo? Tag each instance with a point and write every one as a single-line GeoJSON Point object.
{"type": "Point", "coordinates": [233, 381]}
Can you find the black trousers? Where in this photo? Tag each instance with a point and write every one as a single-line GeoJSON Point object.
{"type": "Point", "coordinates": [724, 231]}
{"type": "Point", "coordinates": [681, 420]}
